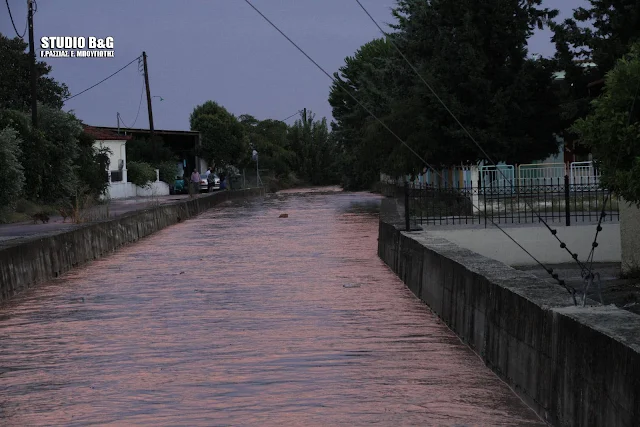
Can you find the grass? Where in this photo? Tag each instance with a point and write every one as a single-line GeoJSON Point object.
{"type": "Point", "coordinates": [24, 210]}
{"type": "Point", "coordinates": [86, 209]}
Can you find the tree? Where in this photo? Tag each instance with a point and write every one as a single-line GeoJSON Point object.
{"type": "Point", "coordinates": [15, 89]}
{"type": "Point", "coordinates": [49, 153]}
{"type": "Point", "coordinates": [11, 171]}
{"type": "Point", "coordinates": [599, 34]}
{"type": "Point", "coordinates": [612, 129]}
{"type": "Point", "coordinates": [477, 64]}
{"type": "Point", "coordinates": [366, 75]}
{"type": "Point", "coordinates": [474, 57]}
{"type": "Point", "coordinates": [223, 140]}
{"type": "Point", "coordinates": [312, 144]}
{"type": "Point", "coordinates": [92, 165]}
{"type": "Point", "coordinates": [270, 139]}
{"type": "Point", "coordinates": [142, 150]}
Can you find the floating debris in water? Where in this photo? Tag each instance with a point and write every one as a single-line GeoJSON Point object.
{"type": "Point", "coordinates": [284, 216]}
{"type": "Point", "coordinates": [351, 285]}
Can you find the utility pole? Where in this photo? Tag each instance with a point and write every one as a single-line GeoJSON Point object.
{"type": "Point", "coordinates": [32, 52]}
{"type": "Point", "coordinates": [146, 83]}
{"type": "Point", "coordinates": [304, 116]}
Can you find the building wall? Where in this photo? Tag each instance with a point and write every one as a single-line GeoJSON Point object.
{"type": "Point", "coordinates": [118, 152]}
{"type": "Point", "coordinates": [629, 232]}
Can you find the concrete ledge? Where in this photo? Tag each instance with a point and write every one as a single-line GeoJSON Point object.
{"type": "Point", "coordinates": [29, 261]}
{"type": "Point", "coordinates": [575, 366]}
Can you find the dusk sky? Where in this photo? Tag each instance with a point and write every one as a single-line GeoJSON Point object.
{"type": "Point", "coordinates": [201, 50]}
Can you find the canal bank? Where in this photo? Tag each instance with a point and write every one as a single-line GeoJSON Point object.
{"type": "Point", "coordinates": [294, 322]}
{"type": "Point", "coordinates": [576, 366]}
{"type": "Point", "coordinates": [34, 259]}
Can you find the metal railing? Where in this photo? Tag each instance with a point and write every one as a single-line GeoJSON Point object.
{"type": "Point", "coordinates": [556, 200]}
{"type": "Point", "coordinates": [580, 173]}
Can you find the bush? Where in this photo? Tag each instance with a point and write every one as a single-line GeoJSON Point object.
{"type": "Point", "coordinates": [611, 129]}
{"type": "Point", "coordinates": [168, 172]}
{"type": "Point", "coordinates": [92, 165]}
{"type": "Point", "coordinates": [140, 173]}
{"type": "Point", "coordinates": [11, 171]}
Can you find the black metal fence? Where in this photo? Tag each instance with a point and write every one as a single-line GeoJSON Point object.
{"type": "Point", "coordinates": [554, 200]}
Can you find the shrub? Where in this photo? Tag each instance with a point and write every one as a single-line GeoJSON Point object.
{"type": "Point", "coordinates": [140, 173]}
{"type": "Point", "coordinates": [91, 166]}
{"type": "Point", "coordinates": [11, 171]}
{"type": "Point", "coordinates": [168, 172]}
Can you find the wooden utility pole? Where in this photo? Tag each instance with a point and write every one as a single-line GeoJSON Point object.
{"type": "Point", "coordinates": [149, 109]}
{"type": "Point", "coordinates": [33, 77]}
{"type": "Point", "coordinates": [304, 116]}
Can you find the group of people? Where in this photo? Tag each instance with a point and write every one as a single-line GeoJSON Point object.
{"type": "Point", "coordinates": [209, 176]}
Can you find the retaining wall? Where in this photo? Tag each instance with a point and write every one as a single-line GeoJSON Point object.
{"type": "Point", "coordinates": [26, 262]}
{"type": "Point", "coordinates": [575, 366]}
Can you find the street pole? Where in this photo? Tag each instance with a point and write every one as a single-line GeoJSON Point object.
{"type": "Point", "coordinates": [149, 109]}
{"type": "Point", "coordinates": [304, 117]}
{"type": "Point", "coordinates": [32, 52]}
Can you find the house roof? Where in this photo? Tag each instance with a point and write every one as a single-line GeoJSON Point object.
{"type": "Point", "coordinates": [102, 134]}
{"type": "Point", "coordinates": [147, 131]}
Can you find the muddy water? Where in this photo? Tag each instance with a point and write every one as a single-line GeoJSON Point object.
{"type": "Point", "coordinates": [239, 317]}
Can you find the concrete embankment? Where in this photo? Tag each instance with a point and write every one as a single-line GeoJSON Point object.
{"type": "Point", "coordinates": [26, 262]}
{"type": "Point", "coordinates": [576, 366]}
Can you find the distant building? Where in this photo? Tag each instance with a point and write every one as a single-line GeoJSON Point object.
{"type": "Point", "coordinates": [118, 153]}
{"type": "Point", "coordinates": [184, 145]}
{"type": "Point", "coordinates": [119, 187]}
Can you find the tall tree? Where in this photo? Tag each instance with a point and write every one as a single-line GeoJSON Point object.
{"type": "Point", "coordinates": [600, 34]}
{"type": "Point", "coordinates": [223, 140]}
{"type": "Point", "coordinates": [366, 75]}
{"type": "Point", "coordinates": [474, 55]}
{"type": "Point", "coordinates": [316, 156]}
{"type": "Point", "coordinates": [612, 129]}
{"type": "Point", "coordinates": [269, 137]}
{"type": "Point", "coordinates": [48, 153]}
{"type": "Point", "coordinates": [11, 171]}
{"type": "Point", "coordinates": [15, 92]}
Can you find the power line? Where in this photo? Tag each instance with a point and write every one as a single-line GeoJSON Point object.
{"type": "Point", "coordinates": [294, 114]}
{"type": "Point", "coordinates": [101, 81]}
{"type": "Point", "coordinates": [554, 232]}
{"type": "Point", "coordinates": [138, 113]}
{"type": "Point", "coordinates": [13, 23]}
{"type": "Point", "coordinates": [561, 282]}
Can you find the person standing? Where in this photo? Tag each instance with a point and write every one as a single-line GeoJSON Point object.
{"type": "Point", "coordinates": [208, 176]}
{"type": "Point", "coordinates": [195, 181]}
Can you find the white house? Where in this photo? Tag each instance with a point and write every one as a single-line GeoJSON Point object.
{"type": "Point", "coordinates": [119, 187]}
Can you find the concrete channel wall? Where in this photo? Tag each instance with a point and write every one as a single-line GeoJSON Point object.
{"type": "Point", "coordinates": [27, 262]}
{"type": "Point", "coordinates": [575, 366]}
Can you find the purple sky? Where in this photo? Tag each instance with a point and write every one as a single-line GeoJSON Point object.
{"type": "Point", "coordinates": [210, 49]}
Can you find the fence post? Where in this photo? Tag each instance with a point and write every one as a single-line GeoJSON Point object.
{"type": "Point", "coordinates": [407, 217]}
{"type": "Point", "coordinates": [567, 201]}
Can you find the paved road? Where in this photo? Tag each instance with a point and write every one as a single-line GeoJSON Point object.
{"type": "Point", "coordinates": [280, 321]}
{"type": "Point", "coordinates": [56, 224]}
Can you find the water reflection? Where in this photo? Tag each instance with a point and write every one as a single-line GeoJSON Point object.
{"type": "Point", "coordinates": [240, 317]}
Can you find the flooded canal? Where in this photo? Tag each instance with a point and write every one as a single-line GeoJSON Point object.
{"type": "Point", "coordinates": [239, 317]}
